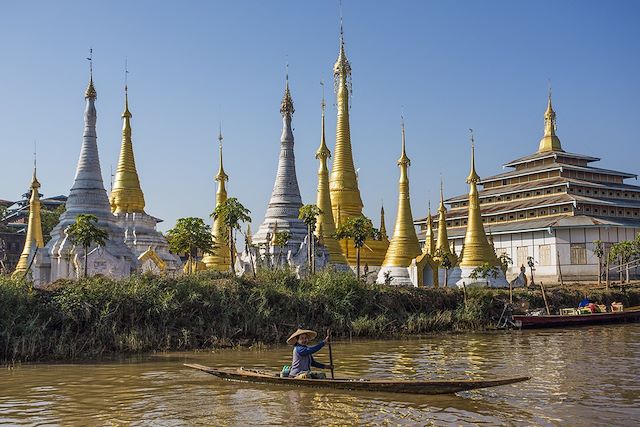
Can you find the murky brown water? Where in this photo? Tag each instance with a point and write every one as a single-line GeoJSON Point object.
{"type": "Point", "coordinates": [587, 376]}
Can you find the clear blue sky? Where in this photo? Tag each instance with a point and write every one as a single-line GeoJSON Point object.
{"type": "Point", "coordinates": [450, 65]}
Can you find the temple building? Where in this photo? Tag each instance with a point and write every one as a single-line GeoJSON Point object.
{"type": "Point", "coordinates": [127, 204]}
{"type": "Point", "coordinates": [285, 203]}
{"type": "Point", "coordinates": [220, 259]}
{"type": "Point", "coordinates": [34, 242]}
{"type": "Point", "coordinates": [551, 207]}
{"type": "Point", "coordinates": [62, 259]}
{"type": "Point", "coordinates": [343, 181]}
{"type": "Point", "coordinates": [326, 227]}
{"type": "Point", "coordinates": [404, 246]}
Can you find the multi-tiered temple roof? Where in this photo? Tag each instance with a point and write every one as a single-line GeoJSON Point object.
{"type": "Point", "coordinates": [550, 188]}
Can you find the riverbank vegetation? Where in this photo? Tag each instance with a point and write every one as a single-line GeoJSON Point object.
{"type": "Point", "coordinates": [98, 316]}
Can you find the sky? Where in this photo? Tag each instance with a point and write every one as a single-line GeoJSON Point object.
{"type": "Point", "coordinates": [446, 65]}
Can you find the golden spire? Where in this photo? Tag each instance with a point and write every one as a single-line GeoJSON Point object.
{"type": "Point", "coordinates": [476, 249]}
{"type": "Point", "coordinates": [326, 227]}
{"type": "Point", "coordinates": [91, 90]}
{"type": "Point", "coordinates": [443, 240]}
{"type": "Point", "coordinates": [126, 194]}
{"type": "Point", "coordinates": [33, 240]}
{"type": "Point", "coordinates": [404, 245]}
{"type": "Point", "coordinates": [383, 227]}
{"type": "Point", "coordinates": [220, 260]}
{"type": "Point", "coordinates": [429, 241]}
{"type": "Point", "coordinates": [343, 182]}
{"type": "Point", "coordinates": [549, 142]}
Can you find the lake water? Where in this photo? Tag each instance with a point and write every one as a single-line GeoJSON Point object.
{"type": "Point", "coordinates": [585, 376]}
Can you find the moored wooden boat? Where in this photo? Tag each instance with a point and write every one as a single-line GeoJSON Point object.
{"type": "Point", "coordinates": [357, 384]}
{"type": "Point", "coordinates": [555, 320]}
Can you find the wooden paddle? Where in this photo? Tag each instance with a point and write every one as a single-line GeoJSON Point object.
{"type": "Point", "coordinates": [330, 353]}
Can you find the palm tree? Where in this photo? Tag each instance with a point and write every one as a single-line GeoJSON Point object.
{"type": "Point", "coordinates": [359, 229]}
{"type": "Point", "coordinates": [85, 232]}
{"type": "Point", "coordinates": [232, 213]}
{"type": "Point", "coordinates": [189, 236]}
{"type": "Point", "coordinates": [445, 262]}
{"type": "Point", "coordinates": [598, 251]}
{"type": "Point", "coordinates": [309, 215]}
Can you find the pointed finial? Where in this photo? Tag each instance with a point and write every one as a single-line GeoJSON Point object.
{"type": "Point", "coordinates": [441, 189]}
{"type": "Point", "coordinates": [34, 180]}
{"type": "Point", "coordinates": [473, 176]}
{"type": "Point", "coordinates": [429, 207]}
{"type": "Point", "coordinates": [220, 137]}
{"type": "Point", "coordinates": [222, 175]}
{"type": "Point", "coordinates": [286, 106]}
{"type": "Point", "coordinates": [341, 26]}
{"type": "Point", "coordinates": [322, 104]}
{"type": "Point", "coordinates": [404, 160]}
{"type": "Point", "coordinates": [91, 90]}
{"type": "Point", "coordinates": [323, 152]}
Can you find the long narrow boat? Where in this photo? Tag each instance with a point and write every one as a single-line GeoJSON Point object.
{"type": "Point", "coordinates": [555, 320]}
{"type": "Point", "coordinates": [391, 386]}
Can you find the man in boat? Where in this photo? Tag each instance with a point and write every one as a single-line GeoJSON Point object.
{"type": "Point", "coordinates": [303, 359]}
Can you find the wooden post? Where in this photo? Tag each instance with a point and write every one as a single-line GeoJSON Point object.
{"type": "Point", "coordinates": [544, 297]}
{"type": "Point", "coordinates": [606, 273]}
{"type": "Point", "coordinates": [510, 293]}
{"type": "Point", "coordinates": [559, 267]}
{"type": "Point", "coordinates": [330, 354]}
{"type": "Point", "coordinates": [464, 294]}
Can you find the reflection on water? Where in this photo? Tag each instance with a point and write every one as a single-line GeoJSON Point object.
{"type": "Point", "coordinates": [587, 376]}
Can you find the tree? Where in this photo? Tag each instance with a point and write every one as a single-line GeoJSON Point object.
{"type": "Point", "coordinates": [231, 213]}
{"type": "Point", "coordinates": [505, 262]}
{"type": "Point", "coordinates": [85, 232]}
{"type": "Point", "coordinates": [445, 262]}
{"type": "Point", "coordinates": [598, 251]}
{"type": "Point", "coordinates": [309, 215]}
{"type": "Point", "coordinates": [485, 271]}
{"type": "Point", "coordinates": [359, 229]}
{"type": "Point", "coordinates": [189, 236]}
{"type": "Point", "coordinates": [624, 251]}
{"type": "Point", "coordinates": [280, 240]}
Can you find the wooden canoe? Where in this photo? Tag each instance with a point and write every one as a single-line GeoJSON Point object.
{"type": "Point", "coordinates": [389, 386]}
{"type": "Point", "coordinates": [555, 320]}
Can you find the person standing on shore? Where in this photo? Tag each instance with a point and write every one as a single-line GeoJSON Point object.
{"type": "Point", "coordinates": [303, 359]}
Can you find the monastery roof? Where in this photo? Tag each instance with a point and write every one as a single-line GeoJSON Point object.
{"type": "Point", "coordinates": [541, 184]}
{"type": "Point", "coordinates": [555, 166]}
{"type": "Point", "coordinates": [548, 155]}
{"type": "Point", "coordinates": [547, 223]}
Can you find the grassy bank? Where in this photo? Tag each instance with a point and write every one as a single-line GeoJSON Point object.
{"type": "Point", "coordinates": [98, 316]}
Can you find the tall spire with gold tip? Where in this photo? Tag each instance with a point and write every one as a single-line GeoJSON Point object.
{"type": "Point", "coordinates": [476, 249]}
{"type": "Point", "coordinates": [404, 245]}
{"type": "Point", "coordinates": [220, 260]}
{"type": "Point", "coordinates": [343, 181]}
{"type": "Point", "coordinates": [126, 194]}
{"type": "Point", "coordinates": [442, 245]}
{"type": "Point", "coordinates": [550, 142]}
{"type": "Point", "coordinates": [33, 240]}
{"type": "Point", "coordinates": [430, 241]}
{"type": "Point", "coordinates": [326, 227]}
{"type": "Point", "coordinates": [383, 227]}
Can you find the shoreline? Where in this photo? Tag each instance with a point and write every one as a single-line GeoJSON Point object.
{"type": "Point", "coordinates": [98, 318]}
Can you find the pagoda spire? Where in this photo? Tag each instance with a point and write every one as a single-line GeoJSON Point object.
{"type": "Point", "coordinates": [343, 181]}
{"type": "Point", "coordinates": [442, 244]}
{"type": "Point", "coordinates": [33, 240]}
{"type": "Point", "coordinates": [326, 226]}
{"type": "Point", "coordinates": [383, 227]}
{"type": "Point", "coordinates": [404, 245]}
{"type": "Point", "coordinates": [430, 241]}
{"type": "Point", "coordinates": [550, 141]}
{"type": "Point", "coordinates": [476, 249]}
{"type": "Point", "coordinates": [126, 194]}
{"type": "Point", "coordinates": [285, 202]}
{"type": "Point", "coordinates": [220, 260]}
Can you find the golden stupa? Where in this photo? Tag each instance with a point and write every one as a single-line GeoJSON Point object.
{"type": "Point", "coordinates": [550, 141]}
{"type": "Point", "coordinates": [343, 182]}
{"type": "Point", "coordinates": [220, 260]}
{"type": "Point", "coordinates": [476, 249]}
{"type": "Point", "coordinates": [326, 227]}
{"type": "Point", "coordinates": [404, 245]}
{"type": "Point", "coordinates": [33, 240]}
{"type": "Point", "coordinates": [126, 194]}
